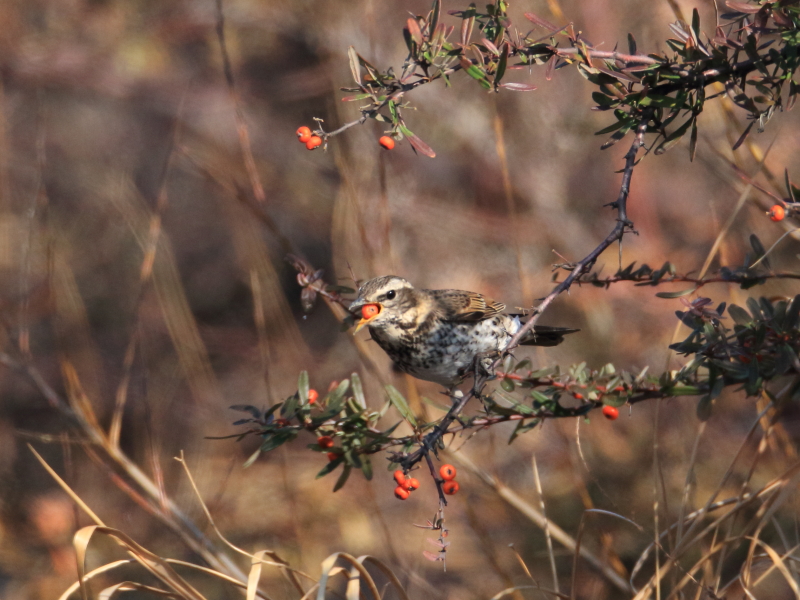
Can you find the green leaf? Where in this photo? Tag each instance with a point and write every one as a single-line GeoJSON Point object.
{"type": "Point", "coordinates": [614, 400]}
{"type": "Point", "coordinates": [684, 390]}
{"type": "Point", "coordinates": [674, 137]}
{"type": "Point", "coordinates": [302, 387]}
{"type": "Point", "coordinates": [679, 294]}
{"type": "Point", "coordinates": [755, 309]}
{"type": "Point", "coordinates": [603, 100]}
{"type": "Point", "coordinates": [330, 467]}
{"type": "Point", "coordinates": [696, 25]}
{"type": "Point", "coordinates": [540, 397]}
{"type": "Point", "coordinates": [277, 440]}
{"type": "Point", "coordinates": [252, 458]}
{"type": "Point", "coordinates": [501, 65]}
{"type": "Point", "coordinates": [475, 72]}
{"type": "Point", "coordinates": [523, 364]}
{"type": "Point", "coordinates": [522, 427]}
{"type": "Point", "coordinates": [613, 127]}
{"type": "Point", "coordinates": [355, 68]}
{"type": "Point", "coordinates": [507, 385]}
{"type": "Point", "coordinates": [289, 407]}
{"type": "Point", "coordinates": [342, 478]}
{"type": "Point", "coordinates": [358, 390]}
{"type": "Point", "coordinates": [739, 315]}
{"type": "Point", "coordinates": [337, 394]}
{"type": "Point", "coordinates": [704, 408]}
{"type": "Point", "coordinates": [759, 250]}
{"type": "Point", "coordinates": [436, 405]}
{"type": "Point", "coordinates": [333, 288]}
{"type": "Point", "coordinates": [397, 400]}
{"type": "Point", "coordinates": [366, 467]}
{"type": "Point", "coordinates": [433, 20]}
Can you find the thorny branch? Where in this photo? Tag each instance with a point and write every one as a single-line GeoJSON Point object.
{"type": "Point", "coordinates": [432, 439]}
{"type": "Point", "coordinates": [697, 281]}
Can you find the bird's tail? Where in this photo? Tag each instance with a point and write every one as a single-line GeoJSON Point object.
{"type": "Point", "coordinates": [544, 335]}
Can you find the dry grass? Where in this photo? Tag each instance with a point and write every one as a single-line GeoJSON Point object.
{"type": "Point", "coordinates": [146, 204]}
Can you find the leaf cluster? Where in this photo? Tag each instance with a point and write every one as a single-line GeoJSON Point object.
{"type": "Point", "coordinates": [748, 349]}
{"type": "Point", "coordinates": [762, 345]}
{"type": "Point", "coordinates": [755, 270]}
{"type": "Point", "coordinates": [752, 57]}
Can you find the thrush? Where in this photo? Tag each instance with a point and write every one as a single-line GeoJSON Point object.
{"type": "Point", "coordinates": [436, 335]}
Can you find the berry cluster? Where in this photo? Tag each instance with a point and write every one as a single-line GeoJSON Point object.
{"type": "Point", "coordinates": [450, 485]}
{"type": "Point", "coordinates": [405, 485]}
{"type": "Point", "coordinates": [313, 141]}
{"type": "Point", "coordinates": [305, 135]}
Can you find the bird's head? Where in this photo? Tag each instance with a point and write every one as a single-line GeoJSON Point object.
{"type": "Point", "coordinates": [382, 301]}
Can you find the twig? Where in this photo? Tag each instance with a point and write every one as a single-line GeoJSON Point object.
{"type": "Point", "coordinates": [623, 225]}
{"type": "Point", "coordinates": [697, 281]}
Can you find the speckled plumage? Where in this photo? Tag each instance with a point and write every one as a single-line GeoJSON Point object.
{"type": "Point", "coordinates": [435, 334]}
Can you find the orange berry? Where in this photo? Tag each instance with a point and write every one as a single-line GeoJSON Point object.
{"type": "Point", "coordinates": [610, 412]}
{"type": "Point", "coordinates": [332, 456]}
{"type": "Point", "coordinates": [399, 477]}
{"type": "Point", "coordinates": [578, 396]}
{"type": "Point", "coordinates": [401, 494]}
{"type": "Point", "coordinates": [386, 142]}
{"type": "Point", "coordinates": [447, 472]}
{"type": "Point", "coordinates": [450, 487]}
{"type": "Point", "coordinates": [304, 134]}
{"type": "Point", "coordinates": [777, 212]}
{"type": "Point", "coordinates": [370, 310]}
{"type": "Point", "coordinates": [410, 484]}
{"type": "Point", "coordinates": [619, 388]}
{"type": "Point", "coordinates": [281, 422]}
{"type": "Point", "coordinates": [314, 142]}
{"type": "Point", "coordinates": [325, 441]}
{"type": "Point", "coordinates": [313, 396]}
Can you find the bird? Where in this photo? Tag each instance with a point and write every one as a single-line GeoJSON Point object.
{"type": "Point", "coordinates": [436, 335]}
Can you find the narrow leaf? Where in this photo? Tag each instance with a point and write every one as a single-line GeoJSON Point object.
{"type": "Point", "coordinates": [358, 390]}
{"type": "Point", "coordinates": [742, 7]}
{"type": "Point", "coordinates": [414, 30]}
{"type": "Point", "coordinates": [739, 315]}
{"type": "Point", "coordinates": [420, 146]}
{"type": "Point", "coordinates": [551, 64]}
{"type": "Point", "coordinates": [342, 478]}
{"type": "Point", "coordinates": [302, 387]}
{"type": "Point", "coordinates": [355, 68]}
{"type": "Point", "coordinates": [366, 467]}
{"type": "Point", "coordinates": [631, 44]}
{"type": "Point", "coordinates": [397, 400]}
{"type": "Point", "coordinates": [501, 65]}
{"type": "Point", "coordinates": [518, 87]}
{"type": "Point", "coordinates": [675, 294]}
{"type": "Point", "coordinates": [330, 467]}
{"type": "Point", "coordinates": [541, 22]}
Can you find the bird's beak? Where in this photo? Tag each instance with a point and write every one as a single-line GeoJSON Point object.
{"type": "Point", "coordinates": [368, 313]}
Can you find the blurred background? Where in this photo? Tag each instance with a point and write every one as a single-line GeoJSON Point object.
{"type": "Point", "coordinates": [119, 144]}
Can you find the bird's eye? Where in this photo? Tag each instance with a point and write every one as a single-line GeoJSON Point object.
{"type": "Point", "coordinates": [390, 295]}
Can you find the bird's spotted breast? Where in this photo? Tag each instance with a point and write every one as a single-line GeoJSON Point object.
{"type": "Point", "coordinates": [436, 334]}
{"type": "Point", "coordinates": [443, 351]}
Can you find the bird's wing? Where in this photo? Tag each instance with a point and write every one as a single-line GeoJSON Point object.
{"type": "Point", "coordinates": [458, 305]}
